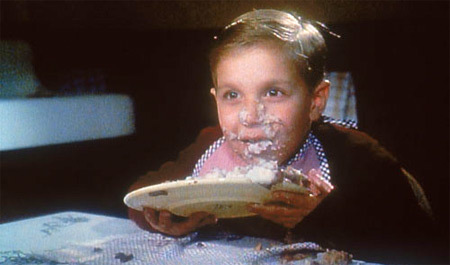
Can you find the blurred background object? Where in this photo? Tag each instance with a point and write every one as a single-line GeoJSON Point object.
{"type": "Point", "coordinates": [59, 120]}
{"type": "Point", "coordinates": [341, 102]}
{"type": "Point", "coordinates": [17, 77]}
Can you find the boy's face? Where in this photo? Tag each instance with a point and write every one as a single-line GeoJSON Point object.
{"type": "Point", "coordinates": [264, 108]}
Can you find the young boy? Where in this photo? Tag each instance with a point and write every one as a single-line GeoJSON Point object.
{"type": "Point", "coordinates": [267, 68]}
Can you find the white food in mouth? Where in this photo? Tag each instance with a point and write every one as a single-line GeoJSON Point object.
{"type": "Point", "coordinates": [258, 147]}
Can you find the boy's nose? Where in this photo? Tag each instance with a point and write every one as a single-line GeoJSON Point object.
{"type": "Point", "coordinates": [252, 114]}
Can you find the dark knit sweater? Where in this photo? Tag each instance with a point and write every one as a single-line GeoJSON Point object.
{"type": "Point", "coordinates": [372, 213]}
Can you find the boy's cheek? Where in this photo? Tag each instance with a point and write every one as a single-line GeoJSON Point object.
{"type": "Point", "coordinates": [226, 113]}
{"type": "Point", "coordinates": [225, 123]}
{"type": "Point", "coordinates": [230, 135]}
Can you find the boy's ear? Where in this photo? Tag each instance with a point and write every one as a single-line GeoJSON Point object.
{"type": "Point", "coordinates": [213, 91]}
{"type": "Point", "coordinates": [319, 100]}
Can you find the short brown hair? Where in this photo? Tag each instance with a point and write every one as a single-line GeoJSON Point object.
{"type": "Point", "coordinates": [300, 38]}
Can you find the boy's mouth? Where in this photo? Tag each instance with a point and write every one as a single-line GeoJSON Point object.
{"type": "Point", "coordinates": [254, 136]}
{"type": "Point", "coordinates": [257, 147]}
{"type": "Point", "coordinates": [255, 141]}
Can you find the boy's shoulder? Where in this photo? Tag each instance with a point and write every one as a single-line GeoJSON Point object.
{"type": "Point", "coordinates": [348, 142]}
{"type": "Point", "coordinates": [210, 134]}
{"type": "Point", "coordinates": [206, 137]}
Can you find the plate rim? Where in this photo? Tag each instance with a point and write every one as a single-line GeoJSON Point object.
{"type": "Point", "coordinates": [187, 182]}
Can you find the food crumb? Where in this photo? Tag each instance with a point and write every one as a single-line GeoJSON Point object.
{"type": "Point", "coordinates": [258, 246]}
{"type": "Point", "coordinates": [336, 257]}
{"type": "Point", "coordinates": [98, 250]}
{"type": "Point", "coordinates": [123, 257]}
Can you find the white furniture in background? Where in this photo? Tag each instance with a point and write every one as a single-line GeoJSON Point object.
{"type": "Point", "coordinates": [31, 122]}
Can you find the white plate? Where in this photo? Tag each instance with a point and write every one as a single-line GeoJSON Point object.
{"type": "Point", "coordinates": [226, 198]}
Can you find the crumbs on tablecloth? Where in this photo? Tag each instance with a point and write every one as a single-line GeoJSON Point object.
{"type": "Point", "coordinates": [336, 257]}
{"type": "Point", "coordinates": [258, 246]}
{"type": "Point", "coordinates": [123, 257]}
{"type": "Point", "coordinates": [98, 250]}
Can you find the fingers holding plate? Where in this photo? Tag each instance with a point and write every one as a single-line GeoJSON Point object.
{"type": "Point", "coordinates": [165, 222]}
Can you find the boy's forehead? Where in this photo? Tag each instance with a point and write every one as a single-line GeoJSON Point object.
{"type": "Point", "coordinates": [266, 60]}
{"type": "Point", "coordinates": [269, 46]}
{"type": "Point", "coordinates": [272, 45]}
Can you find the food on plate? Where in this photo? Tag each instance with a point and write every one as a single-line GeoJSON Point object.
{"type": "Point", "coordinates": [265, 173]}
{"type": "Point", "coordinates": [268, 174]}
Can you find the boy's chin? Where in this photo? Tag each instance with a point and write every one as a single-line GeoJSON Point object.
{"type": "Point", "coordinates": [258, 158]}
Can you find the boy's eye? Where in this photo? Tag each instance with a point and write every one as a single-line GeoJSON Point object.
{"type": "Point", "coordinates": [231, 95]}
{"type": "Point", "coordinates": [274, 93]}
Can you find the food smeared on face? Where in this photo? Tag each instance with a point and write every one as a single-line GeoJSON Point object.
{"type": "Point", "coordinates": [263, 105]}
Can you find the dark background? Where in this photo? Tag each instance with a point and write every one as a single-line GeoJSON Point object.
{"type": "Point", "coordinates": [155, 52]}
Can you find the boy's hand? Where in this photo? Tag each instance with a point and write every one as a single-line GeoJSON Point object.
{"type": "Point", "coordinates": [163, 221]}
{"type": "Point", "coordinates": [289, 208]}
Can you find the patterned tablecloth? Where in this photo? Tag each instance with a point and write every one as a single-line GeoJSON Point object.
{"type": "Point", "coordinates": [80, 238]}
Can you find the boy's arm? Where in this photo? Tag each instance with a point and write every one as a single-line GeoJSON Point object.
{"type": "Point", "coordinates": [174, 170]}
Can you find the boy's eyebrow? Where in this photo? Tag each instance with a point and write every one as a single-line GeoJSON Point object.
{"type": "Point", "coordinates": [287, 84]}
{"type": "Point", "coordinates": [268, 83]}
{"type": "Point", "coordinates": [225, 87]}
{"type": "Point", "coordinates": [279, 82]}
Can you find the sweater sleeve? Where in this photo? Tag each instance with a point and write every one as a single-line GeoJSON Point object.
{"type": "Point", "coordinates": [174, 170]}
{"type": "Point", "coordinates": [382, 211]}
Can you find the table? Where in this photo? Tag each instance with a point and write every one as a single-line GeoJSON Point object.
{"type": "Point", "coordinates": [82, 238]}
